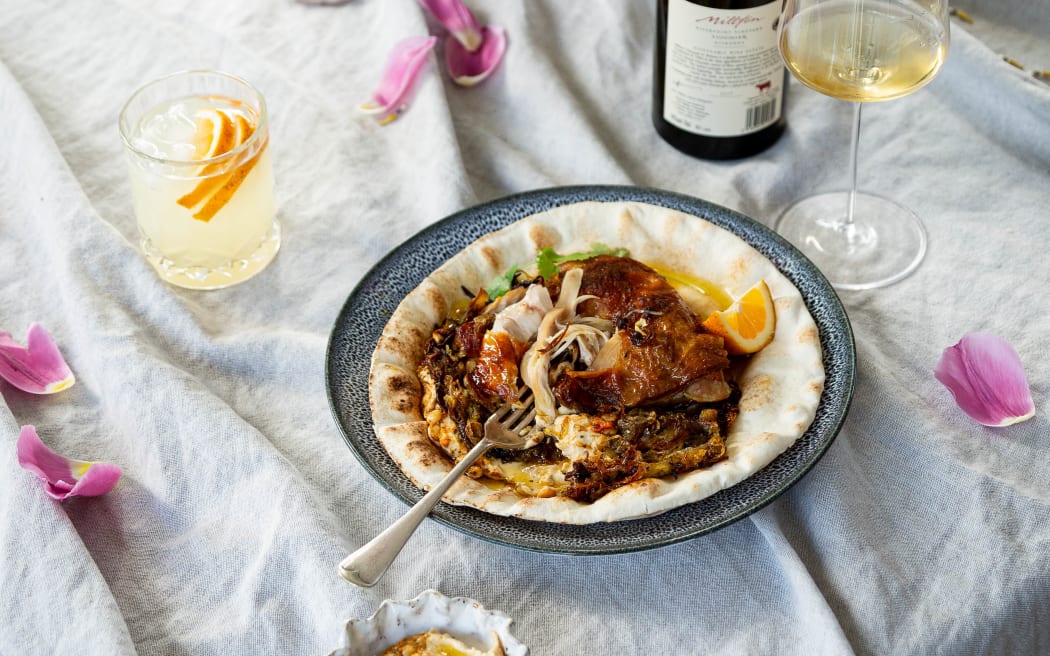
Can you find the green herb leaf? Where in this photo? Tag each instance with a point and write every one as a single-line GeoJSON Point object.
{"type": "Point", "coordinates": [547, 260]}
{"type": "Point", "coordinates": [501, 285]}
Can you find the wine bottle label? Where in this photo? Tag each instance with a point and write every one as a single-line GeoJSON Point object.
{"type": "Point", "coordinates": [723, 76]}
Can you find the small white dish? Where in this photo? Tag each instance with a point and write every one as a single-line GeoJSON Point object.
{"type": "Point", "coordinates": [460, 617]}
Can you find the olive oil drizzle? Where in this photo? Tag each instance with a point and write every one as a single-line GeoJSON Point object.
{"type": "Point", "coordinates": [706, 287]}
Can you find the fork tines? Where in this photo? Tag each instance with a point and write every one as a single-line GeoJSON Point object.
{"type": "Point", "coordinates": [517, 416]}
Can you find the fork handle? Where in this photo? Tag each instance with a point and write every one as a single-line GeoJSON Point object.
{"type": "Point", "coordinates": [367, 565]}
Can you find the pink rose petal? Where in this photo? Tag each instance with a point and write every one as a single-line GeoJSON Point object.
{"type": "Point", "coordinates": [37, 368]}
{"type": "Point", "coordinates": [403, 67]}
{"type": "Point", "coordinates": [987, 379]}
{"type": "Point", "coordinates": [458, 20]}
{"type": "Point", "coordinates": [468, 68]}
{"type": "Point", "coordinates": [63, 477]}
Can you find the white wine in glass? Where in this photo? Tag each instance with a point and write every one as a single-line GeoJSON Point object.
{"type": "Point", "coordinates": [860, 51]}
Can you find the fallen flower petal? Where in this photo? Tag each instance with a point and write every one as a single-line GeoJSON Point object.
{"type": "Point", "coordinates": [403, 67]}
{"type": "Point", "coordinates": [468, 68]}
{"type": "Point", "coordinates": [987, 379]}
{"type": "Point", "coordinates": [458, 20]}
{"type": "Point", "coordinates": [38, 367]}
{"type": "Point", "coordinates": [63, 477]}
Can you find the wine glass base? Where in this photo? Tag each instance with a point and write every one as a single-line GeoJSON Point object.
{"type": "Point", "coordinates": [884, 243]}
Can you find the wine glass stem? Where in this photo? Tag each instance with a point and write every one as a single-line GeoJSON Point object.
{"type": "Point", "coordinates": [854, 141]}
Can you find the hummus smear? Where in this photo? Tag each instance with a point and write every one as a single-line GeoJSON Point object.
{"type": "Point", "coordinates": [438, 643]}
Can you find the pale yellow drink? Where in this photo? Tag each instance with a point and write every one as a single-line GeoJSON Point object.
{"type": "Point", "coordinates": [865, 51]}
{"type": "Point", "coordinates": [202, 183]}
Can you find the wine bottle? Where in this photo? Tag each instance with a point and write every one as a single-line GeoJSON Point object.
{"type": "Point", "coordinates": [718, 80]}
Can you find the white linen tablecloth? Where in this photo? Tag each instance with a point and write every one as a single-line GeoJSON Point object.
{"type": "Point", "coordinates": [919, 532]}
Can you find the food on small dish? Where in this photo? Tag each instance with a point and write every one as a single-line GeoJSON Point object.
{"type": "Point", "coordinates": [440, 643]}
{"type": "Point", "coordinates": [431, 623]}
{"type": "Point", "coordinates": [640, 408]}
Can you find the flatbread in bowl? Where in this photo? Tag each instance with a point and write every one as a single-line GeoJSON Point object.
{"type": "Point", "coordinates": [779, 387]}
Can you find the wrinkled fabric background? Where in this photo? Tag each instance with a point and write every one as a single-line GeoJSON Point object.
{"type": "Point", "coordinates": [919, 532]}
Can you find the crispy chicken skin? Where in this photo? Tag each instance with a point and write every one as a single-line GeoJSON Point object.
{"type": "Point", "coordinates": [661, 348]}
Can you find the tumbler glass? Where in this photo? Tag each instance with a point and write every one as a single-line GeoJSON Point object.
{"type": "Point", "coordinates": [197, 146]}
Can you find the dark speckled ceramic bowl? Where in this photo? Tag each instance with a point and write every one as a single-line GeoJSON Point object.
{"type": "Point", "coordinates": [371, 303]}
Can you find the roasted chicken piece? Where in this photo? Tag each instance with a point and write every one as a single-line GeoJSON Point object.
{"type": "Point", "coordinates": [659, 346]}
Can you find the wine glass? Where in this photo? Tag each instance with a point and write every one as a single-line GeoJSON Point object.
{"type": "Point", "coordinates": [860, 51]}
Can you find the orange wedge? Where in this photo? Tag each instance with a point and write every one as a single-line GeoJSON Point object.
{"type": "Point", "coordinates": [748, 324]}
{"type": "Point", "coordinates": [216, 133]}
{"type": "Point", "coordinates": [215, 190]}
{"type": "Point", "coordinates": [224, 193]}
{"type": "Point", "coordinates": [242, 129]}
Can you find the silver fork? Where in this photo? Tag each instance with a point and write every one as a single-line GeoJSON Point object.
{"type": "Point", "coordinates": [504, 429]}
